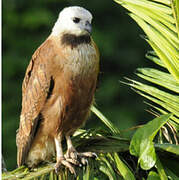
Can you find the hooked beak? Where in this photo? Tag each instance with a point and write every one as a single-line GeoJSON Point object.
{"type": "Point", "coordinates": [88, 27]}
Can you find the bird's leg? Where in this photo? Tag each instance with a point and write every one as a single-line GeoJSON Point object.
{"type": "Point", "coordinates": [60, 157]}
{"type": "Point", "coordinates": [72, 155]}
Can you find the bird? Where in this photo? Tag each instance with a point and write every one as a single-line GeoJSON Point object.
{"type": "Point", "coordinates": [57, 92]}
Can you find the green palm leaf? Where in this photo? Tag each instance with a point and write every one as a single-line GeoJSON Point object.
{"type": "Point", "coordinates": [160, 21]}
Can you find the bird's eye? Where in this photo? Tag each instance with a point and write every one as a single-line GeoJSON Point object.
{"type": "Point", "coordinates": [76, 20]}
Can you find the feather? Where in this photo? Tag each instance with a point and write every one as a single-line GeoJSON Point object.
{"type": "Point", "coordinates": [57, 92]}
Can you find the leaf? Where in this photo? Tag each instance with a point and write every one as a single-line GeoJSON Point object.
{"type": "Point", "coordinates": [173, 120]}
{"type": "Point", "coordinates": [172, 148]}
{"type": "Point", "coordinates": [142, 142]}
{"type": "Point", "coordinates": [110, 167]}
{"type": "Point", "coordinates": [123, 169]}
{"type": "Point", "coordinates": [159, 77]}
{"type": "Point", "coordinates": [107, 122]}
{"type": "Point", "coordinates": [171, 174]}
{"type": "Point", "coordinates": [153, 176]}
{"type": "Point", "coordinates": [166, 59]}
{"type": "Point", "coordinates": [147, 4]}
{"type": "Point", "coordinates": [159, 20]}
{"type": "Point", "coordinates": [161, 170]}
{"type": "Point", "coordinates": [165, 99]}
{"type": "Point", "coordinates": [88, 173]}
{"type": "Point", "coordinates": [161, 46]}
{"type": "Point", "coordinates": [106, 168]}
{"type": "Point", "coordinates": [175, 8]}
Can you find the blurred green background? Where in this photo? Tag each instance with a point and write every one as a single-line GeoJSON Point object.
{"type": "Point", "coordinates": [26, 24]}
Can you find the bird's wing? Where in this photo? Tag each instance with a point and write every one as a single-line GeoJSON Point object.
{"type": "Point", "coordinates": [35, 91]}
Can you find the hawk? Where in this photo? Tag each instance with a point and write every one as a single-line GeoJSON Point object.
{"type": "Point", "coordinates": [57, 91]}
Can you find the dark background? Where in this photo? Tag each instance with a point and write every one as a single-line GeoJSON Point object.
{"type": "Point", "coordinates": [26, 24]}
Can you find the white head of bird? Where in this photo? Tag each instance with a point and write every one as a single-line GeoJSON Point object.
{"type": "Point", "coordinates": [73, 20]}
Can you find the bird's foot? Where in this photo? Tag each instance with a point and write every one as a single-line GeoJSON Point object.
{"type": "Point", "coordinates": [84, 155]}
{"type": "Point", "coordinates": [63, 161]}
{"type": "Point", "coordinates": [78, 158]}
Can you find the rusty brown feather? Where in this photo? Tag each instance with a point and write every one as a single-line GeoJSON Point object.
{"type": "Point", "coordinates": [57, 92]}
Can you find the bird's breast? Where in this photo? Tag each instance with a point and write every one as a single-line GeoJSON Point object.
{"type": "Point", "coordinates": [82, 60]}
{"type": "Point", "coordinates": [74, 87]}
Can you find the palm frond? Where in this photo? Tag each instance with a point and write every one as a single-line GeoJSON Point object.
{"type": "Point", "coordinates": [106, 121]}
{"type": "Point", "coordinates": [100, 168]}
{"type": "Point", "coordinates": [159, 20]}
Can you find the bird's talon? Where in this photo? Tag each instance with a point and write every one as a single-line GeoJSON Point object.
{"type": "Point", "coordinates": [87, 154]}
{"type": "Point", "coordinates": [94, 155]}
{"type": "Point", "coordinates": [72, 170]}
{"type": "Point", "coordinates": [56, 168]}
{"type": "Point", "coordinates": [72, 161]}
{"type": "Point", "coordinates": [66, 164]}
{"type": "Point", "coordinates": [73, 155]}
{"type": "Point", "coordinates": [84, 161]}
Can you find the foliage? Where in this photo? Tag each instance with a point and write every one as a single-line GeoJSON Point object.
{"type": "Point", "coordinates": [26, 24]}
{"type": "Point", "coordinates": [148, 154]}
{"type": "Point", "coordinates": [142, 142]}
{"type": "Point", "coordinates": [111, 162]}
{"type": "Point", "coordinates": [161, 28]}
{"type": "Point", "coordinates": [159, 20]}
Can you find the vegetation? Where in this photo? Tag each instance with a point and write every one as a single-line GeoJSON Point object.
{"type": "Point", "coordinates": [26, 24]}
{"type": "Point", "coordinates": [150, 152]}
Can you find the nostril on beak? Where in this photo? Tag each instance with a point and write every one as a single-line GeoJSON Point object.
{"type": "Point", "coordinates": [88, 26]}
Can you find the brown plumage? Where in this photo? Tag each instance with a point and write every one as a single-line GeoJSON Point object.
{"type": "Point", "coordinates": [57, 92]}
